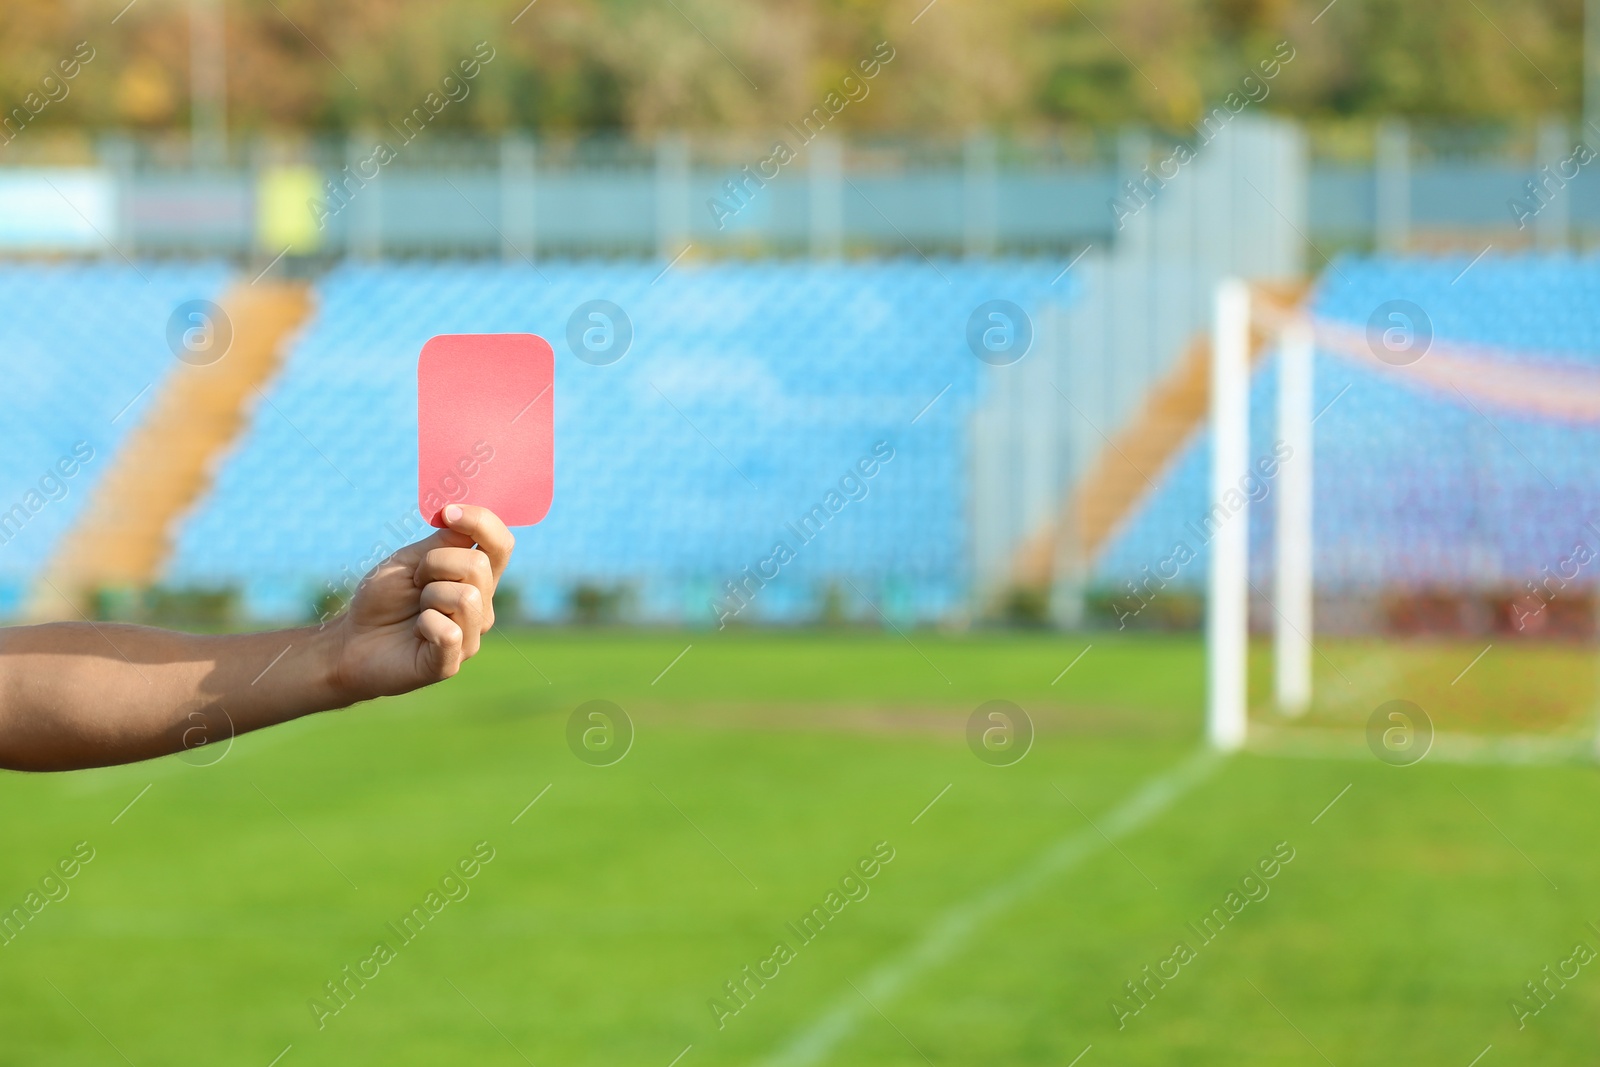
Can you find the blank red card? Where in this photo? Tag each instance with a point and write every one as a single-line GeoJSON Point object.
{"type": "Point", "coordinates": [485, 426]}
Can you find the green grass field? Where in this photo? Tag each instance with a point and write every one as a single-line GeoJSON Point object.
{"type": "Point", "coordinates": [764, 766]}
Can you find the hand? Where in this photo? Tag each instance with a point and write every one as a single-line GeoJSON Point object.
{"type": "Point", "coordinates": [422, 611]}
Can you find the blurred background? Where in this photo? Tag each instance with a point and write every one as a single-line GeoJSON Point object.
{"type": "Point", "coordinates": [921, 491]}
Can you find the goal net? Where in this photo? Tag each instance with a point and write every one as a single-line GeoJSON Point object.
{"type": "Point", "coordinates": [1401, 521]}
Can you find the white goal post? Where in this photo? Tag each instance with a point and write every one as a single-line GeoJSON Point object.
{"type": "Point", "coordinates": [1228, 580]}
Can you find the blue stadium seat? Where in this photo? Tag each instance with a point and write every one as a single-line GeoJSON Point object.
{"type": "Point", "coordinates": [749, 391]}
{"type": "Point", "coordinates": [1414, 485]}
{"type": "Point", "coordinates": [83, 349]}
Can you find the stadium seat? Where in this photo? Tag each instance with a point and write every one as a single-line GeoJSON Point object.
{"type": "Point", "coordinates": [749, 391]}
{"type": "Point", "coordinates": [1414, 486]}
{"type": "Point", "coordinates": [87, 345]}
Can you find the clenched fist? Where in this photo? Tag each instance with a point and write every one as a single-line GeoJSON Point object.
{"type": "Point", "coordinates": [425, 609]}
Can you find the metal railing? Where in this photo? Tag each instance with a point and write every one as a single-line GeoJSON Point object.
{"type": "Point", "coordinates": [1388, 187]}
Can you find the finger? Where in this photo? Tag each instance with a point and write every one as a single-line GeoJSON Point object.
{"type": "Point", "coordinates": [457, 565]}
{"type": "Point", "coordinates": [441, 650]}
{"type": "Point", "coordinates": [486, 531]}
{"type": "Point", "coordinates": [469, 565]}
{"type": "Point", "coordinates": [464, 604]}
{"type": "Point", "coordinates": [410, 555]}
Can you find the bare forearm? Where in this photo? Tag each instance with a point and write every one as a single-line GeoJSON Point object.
{"type": "Point", "coordinates": [90, 694]}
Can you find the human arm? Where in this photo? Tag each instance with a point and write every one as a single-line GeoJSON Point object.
{"type": "Point", "coordinates": [88, 694]}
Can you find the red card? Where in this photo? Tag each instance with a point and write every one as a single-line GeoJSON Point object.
{"type": "Point", "coordinates": [485, 426]}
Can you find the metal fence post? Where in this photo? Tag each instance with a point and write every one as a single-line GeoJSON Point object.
{"type": "Point", "coordinates": [827, 199]}
{"type": "Point", "coordinates": [672, 195]}
{"type": "Point", "coordinates": [980, 158]}
{"type": "Point", "coordinates": [518, 190]}
{"type": "Point", "coordinates": [1392, 178]}
{"type": "Point", "coordinates": [1552, 226]}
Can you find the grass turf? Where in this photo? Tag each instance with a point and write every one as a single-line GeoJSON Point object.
{"type": "Point", "coordinates": [764, 766]}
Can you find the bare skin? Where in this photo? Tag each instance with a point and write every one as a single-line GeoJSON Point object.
{"type": "Point", "coordinates": [75, 695]}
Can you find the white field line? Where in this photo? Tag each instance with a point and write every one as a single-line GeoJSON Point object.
{"type": "Point", "coordinates": [1306, 742]}
{"type": "Point", "coordinates": [952, 932]}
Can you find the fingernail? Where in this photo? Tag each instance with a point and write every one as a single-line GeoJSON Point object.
{"type": "Point", "coordinates": [452, 513]}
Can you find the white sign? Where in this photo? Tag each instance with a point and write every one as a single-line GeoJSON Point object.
{"type": "Point", "coordinates": [57, 208]}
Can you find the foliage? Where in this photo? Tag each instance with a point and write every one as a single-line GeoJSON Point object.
{"type": "Point", "coordinates": [644, 66]}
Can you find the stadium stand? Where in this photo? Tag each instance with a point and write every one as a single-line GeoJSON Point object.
{"type": "Point", "coordinates": [1418, 482]}
{"type": "Point", "coordinates": [123, 539]}
{"type": "Point", "coordinates": [1114, 484]}
{"type": "Point", "coordinates": [86, 345]}
{"type": "Point", "coordinates": [749, 393]}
